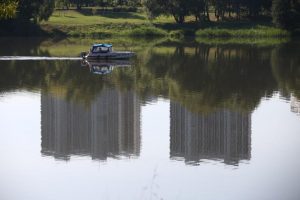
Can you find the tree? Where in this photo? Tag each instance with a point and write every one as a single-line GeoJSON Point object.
{"type": "Point", "coordinates": [286, 13]}
{"type": "Point", "coordinates": [64, 4]}
{"type": "Point", "coordinates": [36, 10]}
{"type": "Point", "coordinates": [153, 8]}
{"type": "Point", "coordinates": [78, 3]}
{"type": "Point", "coordinates": [254, 6]}
{"type": "Point", "coordinates": [133, 2]}
{"type": "Point", "coordinates": [177, 8]}
{"type": "Point", "coordinates": [197, 8]}
{"type": "Point", "coordinates": [8, 8]}
{"type": "Point", "coordinates": [266, 5]}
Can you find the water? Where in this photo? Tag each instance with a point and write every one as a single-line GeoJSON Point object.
{"type": "Point", "coordinates": [10, 58]}
{"type": "Point", "coordinates": [180, 121]}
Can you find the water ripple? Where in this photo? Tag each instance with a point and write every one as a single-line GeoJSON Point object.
{"type": "Point", "coordinates": [37, 58]}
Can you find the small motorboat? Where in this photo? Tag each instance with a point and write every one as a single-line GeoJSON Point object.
{"type": "Point", "coordinates": [105, 51]}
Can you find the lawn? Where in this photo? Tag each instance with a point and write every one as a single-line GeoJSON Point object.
{"type": "Point", "coordinates": [74, 17]}
{"type": "Point", "coordinates": [107, 24]}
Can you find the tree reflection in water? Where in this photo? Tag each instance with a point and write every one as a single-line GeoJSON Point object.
{"type": "Point", "coordinates": [213, 90]}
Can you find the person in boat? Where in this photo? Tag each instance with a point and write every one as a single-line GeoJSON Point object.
{"type": "Point", "coordinates": [101, 48]}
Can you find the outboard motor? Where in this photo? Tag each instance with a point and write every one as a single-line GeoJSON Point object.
{"type": "Point", "coordinates": [83, 55]}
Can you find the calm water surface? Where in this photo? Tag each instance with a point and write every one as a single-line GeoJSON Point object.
{"type": "Point", "coordinates": [180, 121]}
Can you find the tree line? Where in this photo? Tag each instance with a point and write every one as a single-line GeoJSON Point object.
{"type": "Point", "coordinates": [93, 3]}
{"type": "Point", "coordinates": [285, 13]}
{"type": "Point", "coordinates": [39, 10]}
{"type": "Point", "coordinates": [26, 10]}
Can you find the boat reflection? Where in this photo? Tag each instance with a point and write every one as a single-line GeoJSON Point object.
{"type": "Point", "coordinates": [103, 67]}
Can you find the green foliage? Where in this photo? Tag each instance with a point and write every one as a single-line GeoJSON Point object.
{"type": "Point", "coordinates": [153, 8]}
{"type": "Point", "coordinates": [260, 41]}
{"type": "Point", "coordinates": [223, 9]}
{"type": "Point", "coordinates": [62, 4]}
{"type": "Point", "coordinates": [147, 32]}
{"type": "Point", "coordinates": [177, 8]}
{"type": "Point", "coordinates": [95, 22]}
{"type": "Point", "coordinates": [73, 23]}
{"type": "Point", "coordinates": [36, 10]}
{"type": "Point", "coordinates": [255, 32]}
{"type": "Point", "coordinates": [112, 29]}
{"type": "Point", "coordinates": [202, 78]}
{"type": "Point", "coordinates": [8, 9]}
{"type": "Point", "coordinates": [280, 12]}
{"type": "Point", "coordinates": [197, 8]}
{"type": "Point", "coordinates": [286, 13]}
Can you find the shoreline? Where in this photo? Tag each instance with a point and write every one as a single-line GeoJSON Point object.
{"type": "Point", "coordinates": [212, 30]}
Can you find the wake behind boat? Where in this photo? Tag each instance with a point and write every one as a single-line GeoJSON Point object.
{"type": "Point", "coordinates": [105, 51]}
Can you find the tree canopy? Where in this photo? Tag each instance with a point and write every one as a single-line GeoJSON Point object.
{"type": "Point", "coordinates": [36, 10]}
{"type": "Point", "coordinates": [8, 8]}
{"type": "Point", "coordinates": [285, 13]}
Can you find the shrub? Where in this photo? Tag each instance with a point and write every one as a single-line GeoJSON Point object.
{"type": "Point", "coordinates": [147, 31]}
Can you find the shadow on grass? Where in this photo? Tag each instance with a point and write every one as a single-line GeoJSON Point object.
{"type": "Point", "coordinates": [69, 16]}
{"type": "Point", "coordinates": [126, 15]}
{"type": "Point", "coordinates": [111, 14]}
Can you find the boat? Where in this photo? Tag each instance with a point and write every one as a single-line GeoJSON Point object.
{"type": "Point", "coordinates": [105, 51]}
{"type": "Point", "coordinates": [103, 67]}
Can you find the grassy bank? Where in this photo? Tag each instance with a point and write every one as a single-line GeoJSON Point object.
{"type": "Point", "coordinates": [106, 30]}
{"type": "Point", "coordinates": [253, 32]}
{"type": "Point", "coordinates": [107, 24]}
{"type": "Point", "coordinates": [103, 24]}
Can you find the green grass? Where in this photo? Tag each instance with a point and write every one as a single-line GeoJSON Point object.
{"type": "Point", "coordinates": [108, 30]}
{"type": "Point", "coordinates": [73, 17]}
{"type": "Point", "coordinates": [103, 25]}
{"type": "Point", "coordinates": [147, 31]}
{"type": "Point", "coordinates": [109, 24]}
{"type": "Point", "coordinates": [242, 41]}
{"type": "Point", "coordinates": [253, 32]}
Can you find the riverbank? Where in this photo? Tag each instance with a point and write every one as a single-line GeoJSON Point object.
{"type": "Point", "coordinates": [109, 24]}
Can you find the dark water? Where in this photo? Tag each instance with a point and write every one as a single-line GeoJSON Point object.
{"type": "Point", "coordinates": [182, 120]}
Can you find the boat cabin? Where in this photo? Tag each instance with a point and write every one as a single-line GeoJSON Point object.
{"type": "Point", "coordinates": [101, 48]}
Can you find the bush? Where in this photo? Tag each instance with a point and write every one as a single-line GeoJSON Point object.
{"type": "Point", "coordinates": [124, 9]}
{"type": "Point", "coordinates": [147, 31]}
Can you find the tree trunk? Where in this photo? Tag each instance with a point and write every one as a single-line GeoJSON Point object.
{"type": "Point", "coordinates": [207, 12]}
{"type": "Point", "coordinates": [179, 18]}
